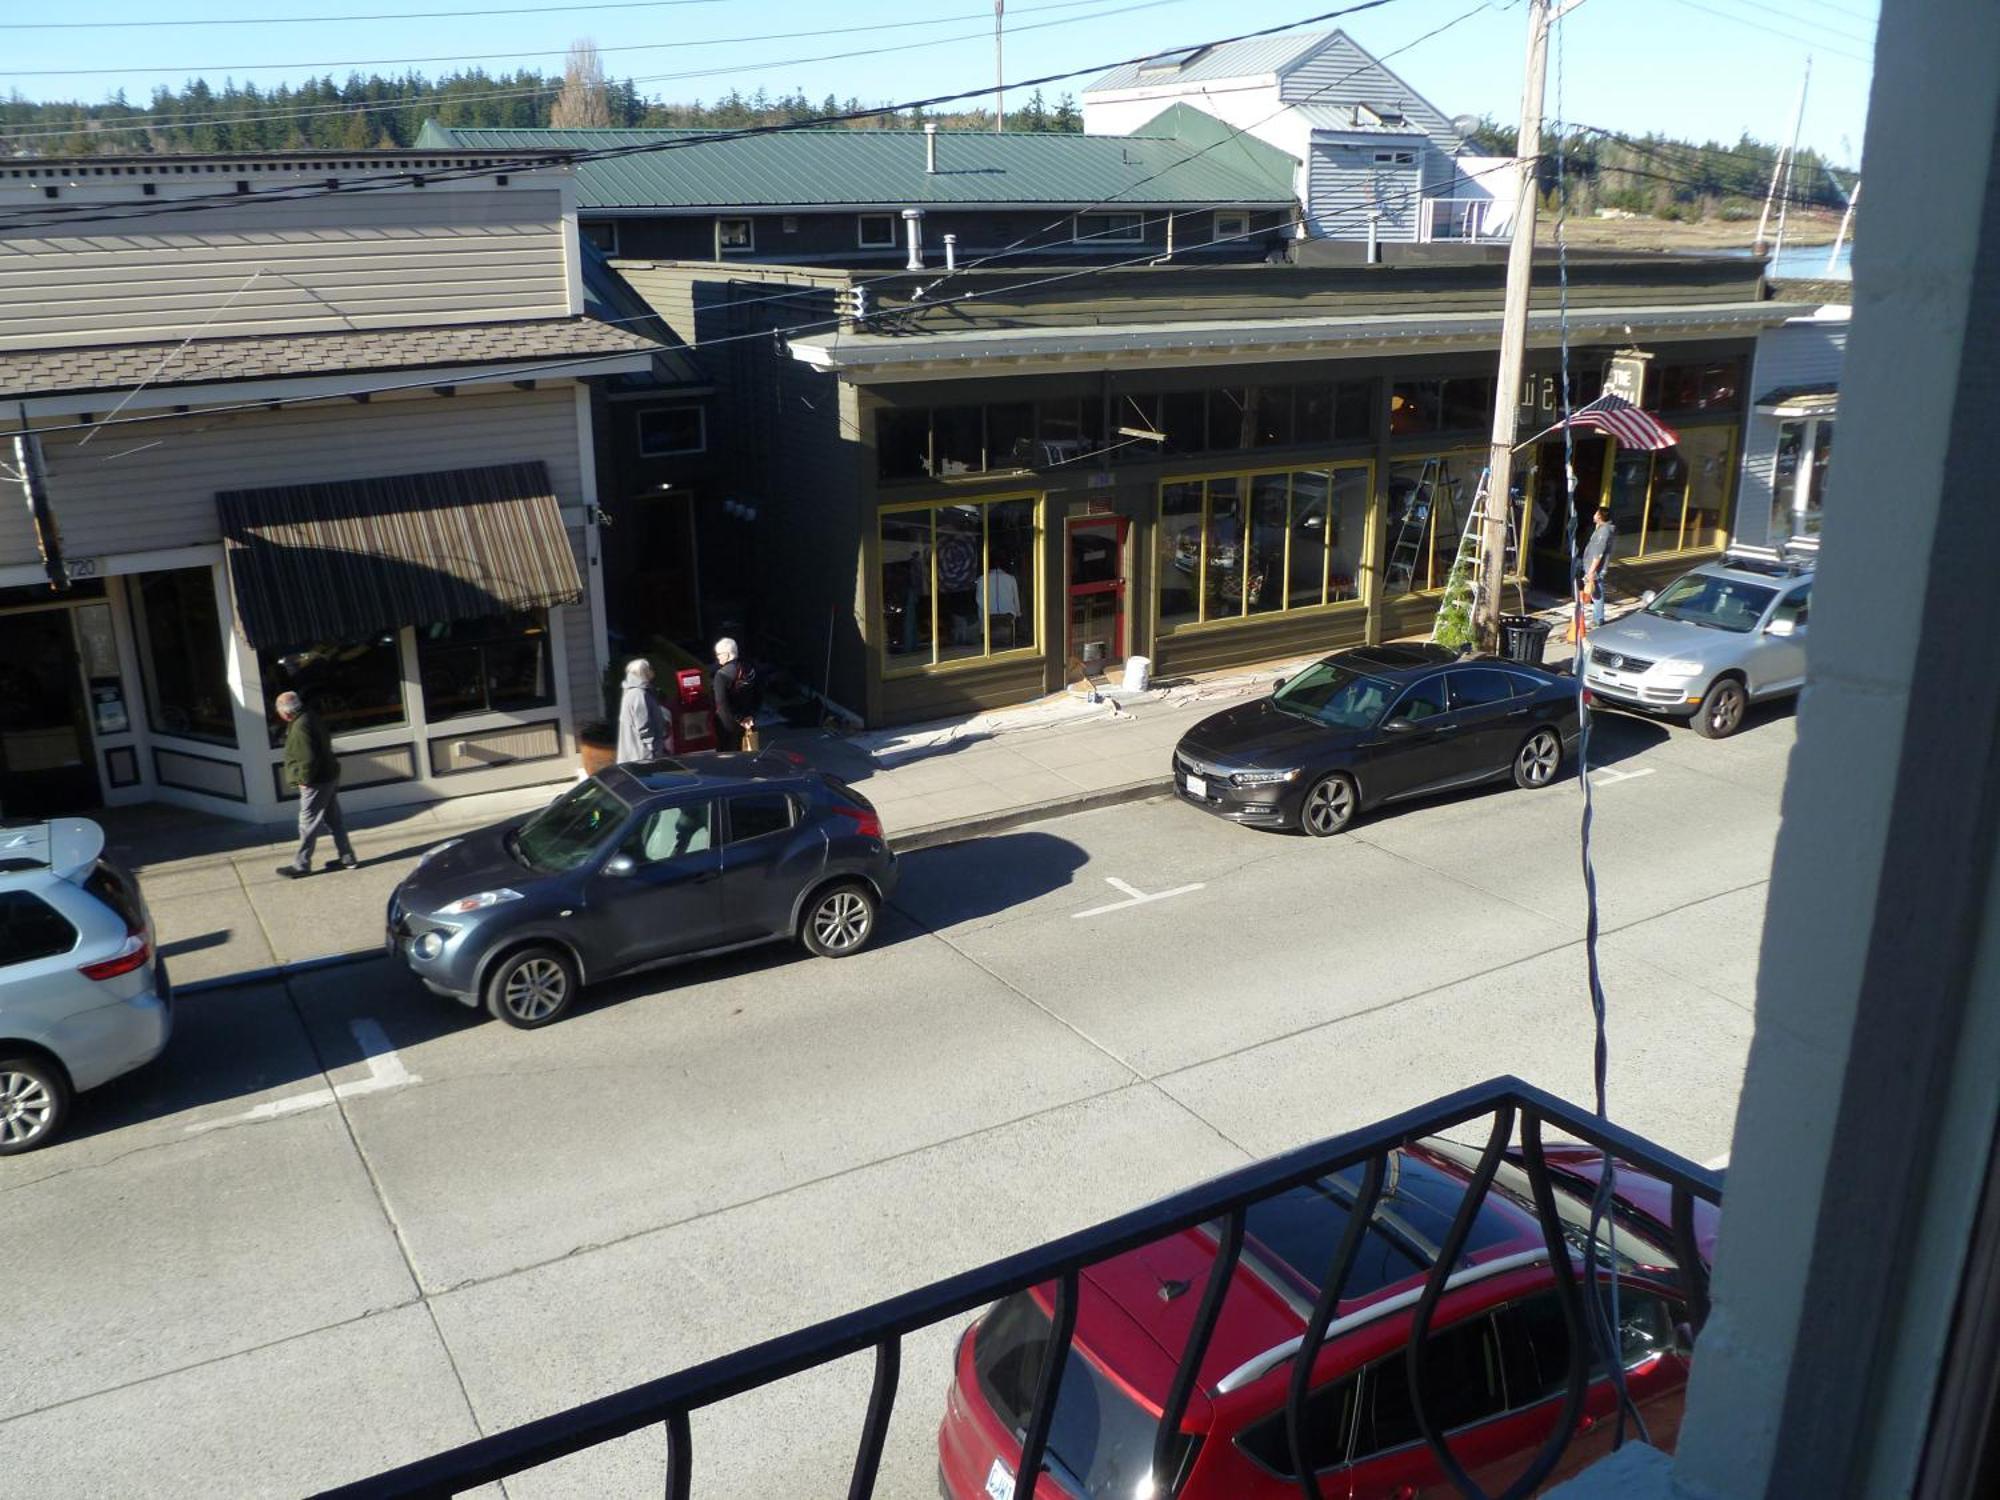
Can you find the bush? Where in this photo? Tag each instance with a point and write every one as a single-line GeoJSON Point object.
{"type": "Point", "coordinates": [1736, 210]}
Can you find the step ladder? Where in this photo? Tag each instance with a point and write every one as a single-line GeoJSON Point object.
{"type": "Point", "coordinates": [1413, 532]}
{"type": "Point", "coordinates": [1466, 558]}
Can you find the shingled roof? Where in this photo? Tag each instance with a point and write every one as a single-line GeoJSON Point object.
{"type": "Point", "coordinates": [115, 367]}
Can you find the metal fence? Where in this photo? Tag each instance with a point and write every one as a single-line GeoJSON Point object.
{"type": "Point", "coordinates": [1504, 1103]}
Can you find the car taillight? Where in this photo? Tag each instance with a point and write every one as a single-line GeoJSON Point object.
{"type": "Point", "coordinates": [1589, 698]}
{"type": "Point", "coordinates": [867, 822]}
{"type": "Point", "coordinates": [136, 953]}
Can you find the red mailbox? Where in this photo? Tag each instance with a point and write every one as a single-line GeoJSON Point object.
{"type": "Point", "coordinates": [694, 711]}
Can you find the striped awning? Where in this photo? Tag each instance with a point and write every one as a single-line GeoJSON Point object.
{"type": "Point", "coordinates": [344, 560]}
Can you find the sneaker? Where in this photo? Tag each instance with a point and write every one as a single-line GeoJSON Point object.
{"type": "Point", "coordinates": [349, 863]}
{"type": "Point", "coordinates": [293, 872]}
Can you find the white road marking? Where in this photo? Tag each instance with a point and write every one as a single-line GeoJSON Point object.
{"type": "Point", "coordinates": [1133, 896]}
{"type": "Point", "coordinates": [1609, 776]}
{"type": "Point", "coordinates": [385, 1071]}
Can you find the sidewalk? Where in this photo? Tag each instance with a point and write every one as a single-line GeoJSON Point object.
{"type": "Point", "coordinates": [224, 914]}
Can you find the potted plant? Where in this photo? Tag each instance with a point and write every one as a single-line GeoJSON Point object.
{"type": "Point", "coordinates": [597, 746]}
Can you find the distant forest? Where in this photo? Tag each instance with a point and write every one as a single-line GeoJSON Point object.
{"type": "Point", "coordinates": [1654, 174]}
{"type": "Point", "coordinates": [378, 111]}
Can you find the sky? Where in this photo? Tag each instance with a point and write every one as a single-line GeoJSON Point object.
{"type": "Point", "coordinates": [1691, 68]}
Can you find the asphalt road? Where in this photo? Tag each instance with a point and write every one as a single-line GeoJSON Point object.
{"type": "Point", "coordinates": [342, 1223]}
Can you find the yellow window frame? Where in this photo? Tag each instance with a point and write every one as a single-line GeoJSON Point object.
{"type": "Point", "coordinates": [987, 654]}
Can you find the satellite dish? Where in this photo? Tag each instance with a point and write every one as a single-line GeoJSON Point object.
{"type": "Point", "coordinates": [1465, 124]}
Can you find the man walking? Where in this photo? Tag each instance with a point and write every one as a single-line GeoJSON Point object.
{"type": "Point", "coordinates": [739, 695]}
{"type": "Point", "coordinates": [312, 767]}
{"type": "Point", "coordinates": [1594, 562]}
{"type": "Point", "coordinates": [642, 723]}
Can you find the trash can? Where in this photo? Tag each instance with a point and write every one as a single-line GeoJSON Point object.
{"type": "Point", "coordinates": [1138, 673]}
{"type": "Point", "coordinates": [1523, 638]}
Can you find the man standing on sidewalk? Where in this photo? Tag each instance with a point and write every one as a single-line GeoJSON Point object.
{"type": "Point", "coordinates": [1594, 562]}
{"type": "Point", "coordinates": [738, 697]}
{"type": "Point", "coordinates": [311, 766]}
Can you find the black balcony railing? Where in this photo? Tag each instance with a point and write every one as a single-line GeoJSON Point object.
{"type": "Point", "coordinates": [1507, 1103]}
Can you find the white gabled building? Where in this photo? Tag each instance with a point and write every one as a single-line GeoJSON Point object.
{"type": "Point", "coordinates": [1373, 153]}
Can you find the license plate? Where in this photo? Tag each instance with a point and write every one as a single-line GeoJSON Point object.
{"type": "Point", "coordinates": [1197, 787]}
{"type": "Point", "coordinates": [999, 1483]}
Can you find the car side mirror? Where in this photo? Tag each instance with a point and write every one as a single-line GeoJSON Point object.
{"type": "Point", "coordinates": [1782, 627]}
{"type": "Point", "coordinates": [1278, 686]}
{"type": "Point", "coordinates": [1648, 597]}
{"type": "Point", "coordinates": [1399, 724]}
{"type": "Point", "coordinates": [620, 865]}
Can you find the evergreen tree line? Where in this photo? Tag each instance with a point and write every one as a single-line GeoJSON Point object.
{"type": "Point", "coordinates": [379, 111]}
{"type": "Point", "coordinates": [1669, 178]}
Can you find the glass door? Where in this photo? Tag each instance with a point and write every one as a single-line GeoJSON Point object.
{"type": "Point", "coordinates": [1096, 588]}
{"type": "Point", "coordinates": [46, 760]}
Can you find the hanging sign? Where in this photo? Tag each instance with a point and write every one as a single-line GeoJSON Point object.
{"type": "Point", "coordinates": [1625, 375]}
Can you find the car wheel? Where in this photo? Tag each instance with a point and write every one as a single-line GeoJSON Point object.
{"type": "Point", "coordinates": [1539, 760]}
{"type": "Point", "coordinates": [839, 920]}
{"type": "Point", "coordinates": [1722, 710]}
{"type": "Point", "coordinates": [34, 1100]}
{"type": "Point", "coordinates": [1329, 806]}
{"type": "Point", "coordinates": [532, 987]}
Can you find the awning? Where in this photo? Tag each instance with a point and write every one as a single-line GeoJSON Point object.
{"type": "Point", "coordinates": [343, 560]}
{"type": "Point", "coordinates": [1800, 401]}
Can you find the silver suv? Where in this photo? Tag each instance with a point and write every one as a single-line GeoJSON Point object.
{"type": "Point", "coordinates": [83, 996]}
{"type": "Point", "coordinates": [1709, 644]}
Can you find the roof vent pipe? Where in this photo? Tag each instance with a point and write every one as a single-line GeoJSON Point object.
{"type": "Point", "coordinates": [951, 252]}
{"type": "Point", "coordinates": [930, 145]}
{"type": "Point", "coordinates": [1374, 239]}
{"type": "Point", "coordinates": [913, 222]}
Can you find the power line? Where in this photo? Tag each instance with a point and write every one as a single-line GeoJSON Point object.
{"type": "Point", "coordinates": [332, 19]}
{"type": "Point", "coordinates": [202, 69]}
{"type": "Point", "coordinates": [1816, 43]}
{"type": "Point", "coordinates": [1665, 149]}
{"type": "Point", "coordinates": [1809, 22]}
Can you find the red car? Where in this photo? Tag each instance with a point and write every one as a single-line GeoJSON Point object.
{"type": "Point", "coordinates": [1497, 1366]}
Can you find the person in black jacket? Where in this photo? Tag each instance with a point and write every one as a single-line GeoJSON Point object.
{"type": "Point", "coordinates": [739, 696]}
{"type": "Point", "coordinates": [312, 767]}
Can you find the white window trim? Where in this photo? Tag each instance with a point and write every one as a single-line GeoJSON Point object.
{"type": "Point", "coordinates": [1079, 236]}
{"type": "Point", "coordinates": [748, 223]}
{"type": "Point", "coordinates": [1226, 218]}
{"type": "Point", "coordinates": [701, 423]}
{"type": "Point", "coordinates": [1395, 158]}
{"type": "Point", "coordinates": [861, 240]}
{"type": "Point", "coordinates": [610, 252]}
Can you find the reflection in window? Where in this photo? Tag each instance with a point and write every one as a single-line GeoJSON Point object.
{"type": "Point", "coordinates": [1241, 545]}
{"type": "Point", "coordinates": [351, 685]}
{"type": "Point", "coordinates": [494, 664]}
{"type": "Point", "coordinates": [1675, 499]}
{"type": "Point", "coordinates": [958, 580]}
{"type": "Point", "coordinates": [1450, 405]}
{"type": "Point", "coordinates": [187, 680]}
{"type": "Point", "coordinates": [1229, 421]}
{"type": "Point", "coordinates": [1428, 508]}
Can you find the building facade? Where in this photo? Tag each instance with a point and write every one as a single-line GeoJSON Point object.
{"type": "Point", "coordinates": [1788, 443]}
{"type": "Point", "coordinates": [297, 438]}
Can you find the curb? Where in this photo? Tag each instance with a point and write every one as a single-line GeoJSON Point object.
{"type": "Point", "coordinates": [270, 972]}
{"type": "Point", "coordinates": [959, 830]}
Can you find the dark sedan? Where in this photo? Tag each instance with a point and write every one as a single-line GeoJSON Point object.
{"type": "Point", "coordinates": [639, 866]}
{"type": "Point", "coordinates": [1372, 726]}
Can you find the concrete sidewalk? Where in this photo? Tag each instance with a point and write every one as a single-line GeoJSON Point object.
{"type": "Point", "coordinates": [225, 915]}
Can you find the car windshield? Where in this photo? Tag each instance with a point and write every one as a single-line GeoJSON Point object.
{"type": "Point", "coordinates": [570, 829]}
{"type": "Point", "coordinates": [1334, 695]}
{"type": "Point", "coordinates": [1716, 602]}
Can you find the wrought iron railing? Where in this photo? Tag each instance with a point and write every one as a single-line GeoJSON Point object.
{"type": "Point", "coordinates": [1505, 1102]}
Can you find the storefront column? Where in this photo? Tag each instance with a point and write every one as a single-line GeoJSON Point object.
{"type": "Point", "coordinates": [246, 699]}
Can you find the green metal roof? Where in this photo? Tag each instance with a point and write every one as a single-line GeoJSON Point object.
{"type": "Point", "coordinates": [1186, 157]}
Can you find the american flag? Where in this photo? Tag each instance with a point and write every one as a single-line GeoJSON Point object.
{"type": "Point", "coordinates": [1618, 418]}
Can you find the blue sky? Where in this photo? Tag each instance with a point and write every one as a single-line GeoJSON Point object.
{"type": "Point", "coordinates": [1702, 68]}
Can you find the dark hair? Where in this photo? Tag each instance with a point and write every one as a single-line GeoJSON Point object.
{"type": "Point", "coordinates": [1604, 512]}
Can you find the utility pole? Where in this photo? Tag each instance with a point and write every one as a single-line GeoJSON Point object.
{"type": "Point", "coordinates": [1847, 218]}
{"type": "Point", "coordinates": [1514, 327]}
{"type": "Point", "coordinates": [28, 469]}
{"type": "Point", "coordinates": [999, 74]}
{"type": "Point", "coordinates": [1780, 170]}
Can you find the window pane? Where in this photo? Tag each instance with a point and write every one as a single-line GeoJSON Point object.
{"type": "Point", "coordinates": [1461, 1386]}
{"type": "Point", "coordinates": [1273, 427]}
{"type": "Point", "coordinates": [1229, 417]}
{"type": "Point", "coordinates": [1631, 473]}
{"type": "Point", "coordinates": [958, 434]}
{"type": "Point", "coordinates": [1180, 552]}
{"type": "Point", "coordinates": [1305, 574]}
{"type": "Point", "coordinates": [903, 443]}
{"type": "Point", "coordinates": [960, 543]}
{"type": "Point", "coordinates": [1347, 534]}
{"type": "Point", "coordinates": [1313, 414]}
{"type": "Point", "coordinates": [670, 429]}
{"type": "Point", "coordinates": [1821, 459]}
{"type": "Point", "coordinates": [351, 685]}
{"type": "Point", "coordinates": [672, 833]}
{"type": "Point", "coordinates": [1269, 500]}
{"type": "Point", "coordinates": [1010, 435]}
{"type": "Point", "coordinates": [495, 664]}
{"type": "Point", "coordinates": [1007, 593]}
{"type": "Point", "coordinates": [1785, 480]}
{"type": "Point", "coordinates": [906, 585]}
{"type": "Point", "coordinates": [1479, 688]}
{"type": "Point", "coordinates": [1467, 404]}
{"type": "Point", "coordinates": [1181, 421]}
{"type": "Point", "coordinates": [1223, 578]}
{"type": "Point", "coordinates": [30, 929]}
{"type": "Point", "coordinates": [759, 813]}
{"type": "Point", "coordinates": [1416, 406]}
{"type": "Point", "coordinates": [1354, 409]}
{"type": "Point", "coordinates": [187, 682]}
{"type": "Point", "coordinates": [1424, 701]}
{"type": "Point", "coordinates": [1707, 450]}
{"type": "Point", "coordinates": [1329, 1415]}
{"type": "Point", "coordinates": [1534, 1344]}
{"type": "Point", "coordinates": [1410, 502]}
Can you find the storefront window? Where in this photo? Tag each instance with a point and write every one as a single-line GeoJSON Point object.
{"type": "Point", "coordinates": [1676, 499]}
{"type": "Point", "coordinates": [494, 664]}
{"type": "Point", "coordinates": [1229, 421]}
{"type": "Point", "coordinates": [1430, 499]}
{"type": "Point", "coordinates": [1241, 545]}
{"type": "Point", "coordinates": [1822, 456]}
{"type": "Point", "coordinates": [351, 685]}
{"type": "Point", "coordinates": [958, 581]}
{"type": "Point", "coordinates": [1457, 404]}
{"type": "Point", "coordinates": [187, 679]}
{"type": "Point", "coordinates": [1785, 476]}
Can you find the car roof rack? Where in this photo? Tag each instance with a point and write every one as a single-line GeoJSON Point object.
{"type": "Point", "coordinates": [1797, 556]}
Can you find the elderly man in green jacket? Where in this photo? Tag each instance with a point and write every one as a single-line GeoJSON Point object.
{"type": "Point", "coordinates": [311, 766]}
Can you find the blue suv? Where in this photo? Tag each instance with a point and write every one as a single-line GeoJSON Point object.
{"type": "Point", "coordinates": [639, 866]}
